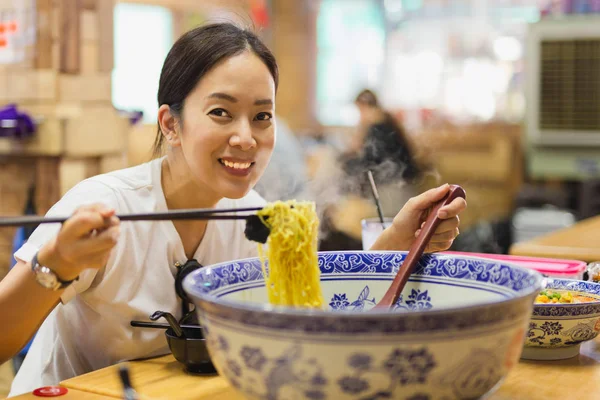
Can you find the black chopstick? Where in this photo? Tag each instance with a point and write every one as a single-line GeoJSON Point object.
{"type": "Point", "coordinates": [200, 213]}
{"type": "Point", "coordinates": [158, 325]}
{"type": "Point", "coordinates": [376, 198]}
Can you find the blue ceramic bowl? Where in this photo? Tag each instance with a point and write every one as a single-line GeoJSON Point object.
{"type": "Point", "coordinates": [457, 330]}
{"type": "Point", "coordinates": [556, 330]}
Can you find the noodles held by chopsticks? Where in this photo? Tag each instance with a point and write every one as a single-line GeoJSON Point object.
{"type": "Point", "coordinates": [293, 278]}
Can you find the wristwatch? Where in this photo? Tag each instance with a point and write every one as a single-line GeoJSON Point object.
{"type": "Point", "coordinates": [46, 277]}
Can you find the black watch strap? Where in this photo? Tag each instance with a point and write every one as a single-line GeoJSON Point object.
{"type": "Point", "coordinates": [63, 284]}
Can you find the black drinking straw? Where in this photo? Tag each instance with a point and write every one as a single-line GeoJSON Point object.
{"type": "Point", "coordinates": [376, 197]}
{"type": "Point", "coordinates": [129, 392]}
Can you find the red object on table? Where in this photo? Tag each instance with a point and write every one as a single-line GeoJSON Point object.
{"type": "Point", "coordinates": [50, 391]}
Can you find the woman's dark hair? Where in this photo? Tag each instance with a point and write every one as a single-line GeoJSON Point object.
{"type": "Point", "coordinates": [197, 52]}
{"type": "Point", "coordinates": [368, 98]}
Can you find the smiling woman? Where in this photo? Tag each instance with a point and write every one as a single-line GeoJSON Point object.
{"type": "Point", "coordinates": [216, 118]}
{"type": "Point", "coordinates": [84, 281]}
{"type": "Point", "coordinates": [216, 133]}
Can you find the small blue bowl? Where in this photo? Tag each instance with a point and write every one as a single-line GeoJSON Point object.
{"type": "Point", "coordinates": [455, 333]}
{"type": "Point", "coordinates": [557, 330]}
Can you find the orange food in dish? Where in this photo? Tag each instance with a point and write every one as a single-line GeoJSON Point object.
{"type": "Point", "coordinates": [549, 296]}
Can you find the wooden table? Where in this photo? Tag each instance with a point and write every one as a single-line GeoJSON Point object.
{"type": "Point", "coordinates": [164, 378]}
{"type": "Point", "coordinates": [155, 378]}
{"type": "Point", "coordinates": [579, 242]}
{"type": "Point", "coordinates": [71, 395]}
{"type": "Point", "coordinates": [574, 378]}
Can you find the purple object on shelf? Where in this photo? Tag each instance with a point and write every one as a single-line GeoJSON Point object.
{"type": "Point", "coordinates": [15, 124]}
{"type": "Point", "coordinates": [133, 116]}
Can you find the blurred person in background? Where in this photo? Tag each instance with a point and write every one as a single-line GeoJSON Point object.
{"type": "Point", "coordinates": [381, 146]}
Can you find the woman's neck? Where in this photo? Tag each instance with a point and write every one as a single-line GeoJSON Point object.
{"type": "Point", "coordinates": [181, 191]}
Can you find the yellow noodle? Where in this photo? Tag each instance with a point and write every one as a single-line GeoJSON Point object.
{"type": "Point", "coordinates": [293, 277]}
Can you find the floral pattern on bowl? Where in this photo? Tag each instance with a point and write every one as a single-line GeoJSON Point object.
{"type": "Point", "coordinates": [417, 300]}
{"type": "Point", "coordinates": [396, 373]}
{"type": "Point", "coordinates": [556, 330]}
{"type": "Point", "coordinates": [456, 331]}
{"type": "Point", "coordinates": [215, 285]}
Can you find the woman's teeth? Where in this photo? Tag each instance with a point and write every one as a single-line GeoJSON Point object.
{"type": "Point", "coordinates": [236, 165]}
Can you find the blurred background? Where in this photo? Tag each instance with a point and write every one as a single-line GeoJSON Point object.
{"type": "Point", "coordinates": [499, 96]}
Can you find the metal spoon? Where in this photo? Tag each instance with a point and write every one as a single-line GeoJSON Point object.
{"type": "Point", "coordinates": [171, 320]}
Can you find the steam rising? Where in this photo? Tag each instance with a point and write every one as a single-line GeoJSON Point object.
{"type": "Point", "coordinates": [346, 197]}
{"type": "Point", "coordinates": [336, 185]}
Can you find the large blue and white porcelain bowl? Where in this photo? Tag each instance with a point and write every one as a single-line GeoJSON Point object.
{"type": "Point", "coordinates": [457, 330]}
{"type": "Point", "coordinates": [557, 330]}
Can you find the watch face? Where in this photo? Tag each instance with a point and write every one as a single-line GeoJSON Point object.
{"type": "Point", "coordinates": [46, 277]}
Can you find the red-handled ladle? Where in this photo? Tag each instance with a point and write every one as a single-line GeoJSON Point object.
{"type": "Point", "coordinates": [415, 252]}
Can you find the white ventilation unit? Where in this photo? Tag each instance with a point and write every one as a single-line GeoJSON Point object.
{"type": "Point", "coordinates": [563, 82]}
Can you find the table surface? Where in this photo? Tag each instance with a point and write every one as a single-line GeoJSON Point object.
{"type": "Point", "coordinates": [71, 395]}
{"type": "Point", "coordinates": [163, 377]}
{"type": "Point", "coordinates": [580, 241]}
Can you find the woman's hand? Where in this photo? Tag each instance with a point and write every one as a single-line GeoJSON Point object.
{"type": "Point", "coordinates": [84, 241]}
{"type": "Point", "coordinates": [409, 220]}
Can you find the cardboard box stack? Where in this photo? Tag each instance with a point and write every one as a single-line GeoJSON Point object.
{"type": "Point", "coordinates": [65, 82]}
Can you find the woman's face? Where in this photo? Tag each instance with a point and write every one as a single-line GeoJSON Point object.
{"type": "Point", "coordinates": [229, 127]}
